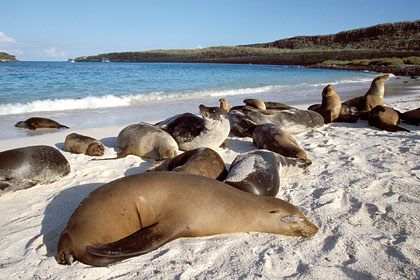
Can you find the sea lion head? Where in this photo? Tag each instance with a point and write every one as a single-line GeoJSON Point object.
{"type": "Point", "coordinates": [212, 113]}
{"type": "Point", "coordinates": [383, 78]}
{"type": "Point", "coordinates": [290, 221]}
{"type": "Point", "coordinates": [95, 149]}
{"type": "Point", "coordinates": [328, 91]}
{"type": "Point", "coordinates": [255, 102]}
{"type": "Point", "coordinates": [21, 124]}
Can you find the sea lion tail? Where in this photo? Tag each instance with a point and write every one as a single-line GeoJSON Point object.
{"type": "Point", "coordinates": [63, 126]}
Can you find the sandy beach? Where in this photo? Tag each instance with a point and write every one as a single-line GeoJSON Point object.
{"type": "Point", "coordinates": [362, 191]}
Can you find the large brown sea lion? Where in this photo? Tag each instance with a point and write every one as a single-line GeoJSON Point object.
{"type": "Point", "coordinates": [330, 107]}
{"type": "Point", "coordinates": [201, 161]}
{"type": "Point", "coordinates": [37, 122]}
{"type": "Point", "coordinates": [137, 214]}
{"type": "Point", "coordinates": [373, 97]}
{"type": "Point", "coordinates": [385, 118]}
{"type": "Point", "coordinates": [23, 168]}
{"type": "Point", "coordinates": [81, 144]}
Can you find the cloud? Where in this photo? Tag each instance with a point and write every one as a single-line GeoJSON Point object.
{"type": "Point", "coordinates": [6, 39]}
{"type": "Point", "coordinates": [53, 52]}
{"type": "Point", "coordinates": [199, 47]}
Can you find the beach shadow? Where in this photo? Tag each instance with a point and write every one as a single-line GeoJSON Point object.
{"type": "Point", "coordinates": [60, 146]}
{"type": "Point", "coordinates": [141, 168]}
{"type": "Point", "coordinates": [110, 142]}
{"type": "Point", "coordinates": [239, 146]}
{"type": "Point", "coordinates": [58, 212]}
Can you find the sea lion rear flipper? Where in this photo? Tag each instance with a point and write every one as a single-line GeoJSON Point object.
{"type": "Point", "coordinates": [141, 242]}
{"type": "Point", "coordinates": [393, 128]}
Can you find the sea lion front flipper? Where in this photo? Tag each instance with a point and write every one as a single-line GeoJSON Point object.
{"type": "Point", "coordinates": [141, 242]}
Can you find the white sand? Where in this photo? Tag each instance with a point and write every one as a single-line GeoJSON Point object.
{"type": "Point", "coordinates": [362, 191]}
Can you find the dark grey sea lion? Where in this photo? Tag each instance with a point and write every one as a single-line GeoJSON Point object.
{"type": "Point", "coordinates": [23, 168]}
{"type": "Point", "coordinates": [259, 171]}
{"type": "Point", "coordinates": [192, 132]}
{"type": "Point", "coordinates": [37, 122]}
{"type": "Point", "coordinates": [290, 121]}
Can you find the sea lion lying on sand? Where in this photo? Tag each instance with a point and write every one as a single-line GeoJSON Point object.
{"type": "Point", "coordinates": [411, 117]}
{"type": "Point", "coordinates": [385, 118]}
{"type": "Point", "coordinates": [80, 144]}
{"type": "Point", "coordinates": [37, 122]}
{"type": "Point", "coordinates": [270, 137]}
{"type": "Point", "coordinates": [201, 161]}
{"type": "Point", "coordinates": [23, 168]}
{"type": "Point", "coordinates": [137, 214]}
{"type": "Point", "coordinates": [259, 171]}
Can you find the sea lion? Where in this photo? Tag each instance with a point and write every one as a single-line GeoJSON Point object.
{"type": "Point", "coordinates": [139, 213]}
{"type": "Point", "coordinates": [291, 121]}
{"type": "Point", "coordinates": [201, 161]}
{"type": "Point", "coordinates": [80, 144]}
{"type": "Point", "coordinates": [146, 140]}
{"type": "Point", "coordinates": [330, 107]}
{"type": "Point", "coordinates": [385, 118]}
{"type": "Point", "coordinates": [256, 103]}
{"type": "Point", "coordinates": [224, 105]}
{"type": "Point", "coordinates": [411, 117]}
{"type": "Point", "coordinates": [25, 167]}
{"type": "Point", "coordinates": [240, 125]}
{"type": "Point", "coordinates": [259, 171]}
{"type": "Point", "coordinates": [37, 122]}
{"type": "Point", "coordinates": [192, 132]}
{"type": "Point", "coordinates": [373, 97]}
{"type": "Point", "coordinates": [268, 136]}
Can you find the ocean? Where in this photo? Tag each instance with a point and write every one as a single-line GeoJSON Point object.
{"type": "Point", "coordinates": [100, 94]}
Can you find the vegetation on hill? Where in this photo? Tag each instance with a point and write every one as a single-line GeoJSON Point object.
{"type": "Point", "coordinates": [389, 36]}
{"type": "Point", "coordinates": [5, 57]}
{"type": "Point", "coordinates": [396, 44]}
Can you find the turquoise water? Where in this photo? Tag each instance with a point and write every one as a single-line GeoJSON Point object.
{"type": "Point", "coordinates": [30, 87]}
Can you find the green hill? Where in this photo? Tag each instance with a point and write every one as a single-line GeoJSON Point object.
{"type": "Point", "coordinates": [391, 44]}
{"type": "Point", "coordinates": [5, 57]}
{"type": "Point", "coordinates": [389, 36]}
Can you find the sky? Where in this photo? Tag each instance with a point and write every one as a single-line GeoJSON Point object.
{"type": "Point", "coordinates": [45, 30]}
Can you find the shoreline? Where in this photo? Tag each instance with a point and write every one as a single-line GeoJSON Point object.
{"type": "Point", "coordinates": [403, 70]}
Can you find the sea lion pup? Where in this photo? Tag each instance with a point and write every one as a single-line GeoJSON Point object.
{"type": "Point", "coordinates": [270, 137]}
{"type": "Point", "coordinates": [201, 161]}
{"type": "Point", "coordinates": [146, 140]}
{"type": "Point", "coordinates": [290, 121]}
{"type": "Point", "coordinates": [137, 214]}
{"type": "Point", "coordinates": [80, 144]}
{"type": "Point", "coordinates": [192, 132]}
{"type": "Point", "coordinates": [37, 122]}
{"type": "Point", "coordinates": [411, 117]}
{"type": "Point", "coordinates": [385, 118]}
{"type": "Point", "coordinates": [330, 107]}
{"type": "Point", "coordinates": [259, 171]}
{"type": "Point", "coordinates": [373, 97]}
{"type": "Point", "coordinates": [224, 105]}
{"type": "Point", "coordinates": [23, 168]}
